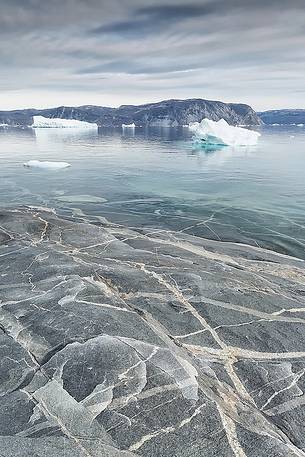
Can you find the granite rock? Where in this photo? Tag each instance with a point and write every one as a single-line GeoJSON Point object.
{"type": "Point", "coordinates": [125, 342]}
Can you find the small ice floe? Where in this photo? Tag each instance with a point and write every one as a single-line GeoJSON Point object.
{"type": "Point", "coordinates": [300, 125]}
{"type": "Point", "coordinates": [57, 123]}
{"type": "Point", "coordinates": [46, 165]}
{"type": "Point", "coordinates": [209, 132]}
{"type": "Point", "coordinates": [129, 126]}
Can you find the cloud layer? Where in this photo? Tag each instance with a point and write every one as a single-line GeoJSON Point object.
{"type": "Point", "coordinates": [111, 53]}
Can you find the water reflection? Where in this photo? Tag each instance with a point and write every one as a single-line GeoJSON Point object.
{"type": "Point", "coordinates": [51, 135]}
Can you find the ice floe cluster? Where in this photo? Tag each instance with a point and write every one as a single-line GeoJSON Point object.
{"type": "Point", "coordinates": [221, 133]}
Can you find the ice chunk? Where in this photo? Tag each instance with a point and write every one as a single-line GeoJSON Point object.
{"type": "Point", "coordinates": [45, 122]}
{"type": "Point", "coordinates": [46, 165]}
{"type": "Point", "coordinates": [128, 126]}
{"type": "Point", "coordinates": [221, 133]}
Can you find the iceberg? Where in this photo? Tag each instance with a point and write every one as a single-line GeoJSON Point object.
{"type": "Point", "coordinates": [46, 165]}
{"type": "Point", "coordinates": [57, 123]}
{"type": "Point", "coordinates": [128, 126]}
{"type": "Point", "coordinates": [221, 133]}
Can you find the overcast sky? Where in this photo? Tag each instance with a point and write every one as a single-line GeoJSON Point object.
{"type": "Point", "coordinates": [75, 52]}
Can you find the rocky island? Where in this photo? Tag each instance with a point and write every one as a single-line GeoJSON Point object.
{"type": "Point", "coordinates": [168, 113]}
{"type": "Point", "coordinates": [137, 342]}
{"type": "Point", "coordinates": [283, 116]}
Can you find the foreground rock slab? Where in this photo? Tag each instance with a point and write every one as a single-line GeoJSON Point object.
{"type": "Point", "coordinates": [125, 342]}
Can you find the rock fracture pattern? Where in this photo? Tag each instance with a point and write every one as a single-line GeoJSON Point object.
{"type": "Point", "coordinates": [133, 342]}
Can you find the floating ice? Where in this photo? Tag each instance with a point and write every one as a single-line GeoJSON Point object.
{"type": "Point", "coordinates": [128, 126]}
{"type": "Point", "coordinates": [45, 122]}
{"type": "Point", "coordinates": [46, 165]}
{"type": "Point", "coordinates": [221, 133]}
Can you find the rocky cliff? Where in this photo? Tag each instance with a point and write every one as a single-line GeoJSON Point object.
{"type": "Point", "coordinates": [169, 113]}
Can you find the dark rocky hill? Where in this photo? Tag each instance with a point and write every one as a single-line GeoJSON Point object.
{"type": "Point", "coordinates": [168, 113]}
{"type": "Point", "coordinates": [283, 116]}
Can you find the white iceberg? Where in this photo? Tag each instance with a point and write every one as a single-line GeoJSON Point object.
{"type": "Point", "coordinates": [128, 126]}
{"type": "Point", "coordinates": [46, 165]}
{"type": "Point", "coordinates": [45, 122]}
{"type": "Point", "coordinates": [221, 133]}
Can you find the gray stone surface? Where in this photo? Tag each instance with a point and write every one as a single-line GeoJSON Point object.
{"type": "Point", "coordinates": [124, 342]}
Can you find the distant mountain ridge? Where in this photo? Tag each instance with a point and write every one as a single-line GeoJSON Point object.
{"type": "Point", "coordinates": [283, 116]}
{"type": "Point", "coordinates": [168, 113]}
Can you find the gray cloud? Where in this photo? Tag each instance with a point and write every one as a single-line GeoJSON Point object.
{"type": "Point", "coordinates": [152, 19]}
{"type": "Point", "coordinates": [112, 53]}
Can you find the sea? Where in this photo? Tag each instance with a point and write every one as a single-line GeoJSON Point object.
{"type": "Point", "coordinates": [160, 179]}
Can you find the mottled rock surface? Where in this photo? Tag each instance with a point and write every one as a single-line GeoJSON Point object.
{"type": "Point", "coordinates": [123, 342]}
{"type": "Point", "coordinates": [168, 113]}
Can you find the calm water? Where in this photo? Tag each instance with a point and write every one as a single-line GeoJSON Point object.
{"type": "Point", "coordinates": [156, 178]}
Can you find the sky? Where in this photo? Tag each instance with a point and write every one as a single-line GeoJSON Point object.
{"type": "Point", "coordinates": [110, 52]}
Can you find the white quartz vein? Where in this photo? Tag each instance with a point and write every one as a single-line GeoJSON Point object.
{"type": "Point", "coordinates": [230, 430]}
{"type": "Point", "coordinates": [137, 445]}
{"type": "Point", "coordinates": [297, 377]}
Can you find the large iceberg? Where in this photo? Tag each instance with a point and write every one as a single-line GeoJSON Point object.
{"type": "Point", "coordinates": [221, 133]}
{"type": "Point", "coordinates": [46, 165]}
{"type": "Point", "coordinates": [57, 123]}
